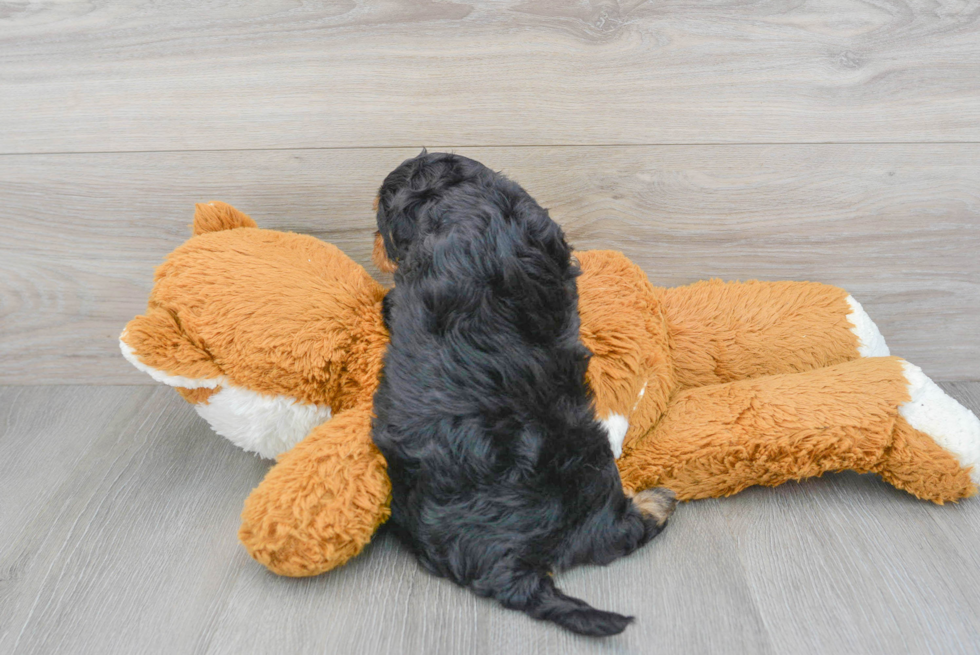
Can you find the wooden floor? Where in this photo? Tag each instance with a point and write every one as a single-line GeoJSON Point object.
{"type": "Point", "coordinates": [830, 140]}
{"type": "Point", "coordinates": [118, 534]}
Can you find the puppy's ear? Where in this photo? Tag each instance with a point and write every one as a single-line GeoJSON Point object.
{"type": "Point", "coordinates": [380, 256]}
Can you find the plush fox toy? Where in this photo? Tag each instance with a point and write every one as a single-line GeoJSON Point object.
{"type": "Point", "coordinates": [277, 340]}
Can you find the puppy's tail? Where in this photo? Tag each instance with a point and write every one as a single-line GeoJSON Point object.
{"type": "Point", "coordinates": [548, 603]}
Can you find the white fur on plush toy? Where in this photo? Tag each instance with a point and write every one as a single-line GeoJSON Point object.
{"type": "Point", "coordinates": [870, 341]}
{"type": "Point", "coordinates": [930, 410]}
{"type": "Point", "coordinates": [616, 427]}
{"type": "Point", "coordinates": [950, 424]}
{"type": "Point", "coordinates": [265, 425]}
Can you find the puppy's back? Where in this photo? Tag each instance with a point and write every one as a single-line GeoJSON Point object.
{"type": "Point", "coordinates": [483, 413]}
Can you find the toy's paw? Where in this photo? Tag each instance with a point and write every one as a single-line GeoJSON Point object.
{"type": "Point", "coordinates": [951, 425]}
{"type": "Point", "coordinates": [322, 502]}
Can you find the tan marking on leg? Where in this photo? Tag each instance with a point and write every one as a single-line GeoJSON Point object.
{"type": "Point", "coordinates": [658, 503]}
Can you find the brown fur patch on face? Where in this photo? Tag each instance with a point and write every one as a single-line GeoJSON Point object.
{"type": "Point", "coordinates": [658, 503]}
{"type": "Point", "coordinates": [380, 257]}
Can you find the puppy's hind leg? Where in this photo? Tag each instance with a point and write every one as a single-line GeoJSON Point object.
{"type": "Point", "coordinates": [655, 506]}
{"type": "Point", "coordinates": [621, 527]}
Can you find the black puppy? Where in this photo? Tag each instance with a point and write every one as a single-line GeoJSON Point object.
{"type": "Point", "coordinates": [501, 474]}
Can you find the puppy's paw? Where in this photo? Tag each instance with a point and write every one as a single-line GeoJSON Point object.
{"type": "Point", "coordinates": [657, 504]}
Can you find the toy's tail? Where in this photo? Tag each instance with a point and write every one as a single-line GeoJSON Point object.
{"type": "Point", "coordinates": [548, 603]}
{"type": "Point", "coordinates": [216, 216]}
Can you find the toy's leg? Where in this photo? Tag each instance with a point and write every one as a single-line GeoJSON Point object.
{"type": "Point", "coordinates": [322, 502]}
{"type": "Point", "coordinates": [720, 439]}
{"type": "Point", "coordinates": [723, 332]}
{"type": "Point", "coordinates": [931, 427]}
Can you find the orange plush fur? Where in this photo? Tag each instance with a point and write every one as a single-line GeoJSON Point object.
{"type": "Point", "coordinates": [709, 388]}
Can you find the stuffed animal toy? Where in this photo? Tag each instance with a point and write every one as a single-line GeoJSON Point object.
{"type": "Point", "coordinates": [277, 340]}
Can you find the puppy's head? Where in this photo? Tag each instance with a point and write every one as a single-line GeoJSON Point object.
{"type": "Point", "coordinates": [412, 191]}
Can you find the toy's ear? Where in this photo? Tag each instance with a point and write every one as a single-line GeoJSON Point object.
{"type": "Point", "coordinates": [380, 257]}
{"type": "Point", "coordinates": [216, 216]}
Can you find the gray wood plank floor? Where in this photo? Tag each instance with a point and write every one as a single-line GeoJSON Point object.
{"type": "Point", "coordinates": [119, 508]}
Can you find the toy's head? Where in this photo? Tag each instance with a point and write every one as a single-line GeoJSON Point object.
{"type": "Point", "coordinates": [267, 333]}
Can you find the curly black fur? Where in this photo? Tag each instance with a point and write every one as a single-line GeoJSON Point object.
{"type": "Point", "coordinates": [501, 474]}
